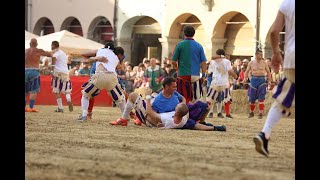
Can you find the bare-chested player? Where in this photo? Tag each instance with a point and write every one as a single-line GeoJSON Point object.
{"type": "Point", "coordinates": [32, 73]}
{"type": "Point", "coordinates": [258, 87]}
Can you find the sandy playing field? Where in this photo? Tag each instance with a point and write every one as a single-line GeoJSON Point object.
{"type": "Point", "coordinates": [58, 147]}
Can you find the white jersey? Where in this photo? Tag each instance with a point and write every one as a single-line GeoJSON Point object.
{"type": "Point", "coordinates": [61, 62]}
{"type": "Point", "coordinates": [113, 59]}
{"type": "Point", "coordinates": [168, 122]}
{"type": "Point", "coordinates": [220, 76]}
{"type": "Point", "coordinates": [288, 9]}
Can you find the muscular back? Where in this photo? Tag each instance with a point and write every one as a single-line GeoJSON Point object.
{"type": "Point", "coordinates": [32, 57]}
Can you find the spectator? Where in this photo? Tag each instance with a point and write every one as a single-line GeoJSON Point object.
{"type": "Point", "coordinates": [129, 79]}
{"type": "Point", "coordinates": [146, 63]}
{"type": "Point", "coordinates": [84, 71]}
{"type": "Point", "coordinates": [45, 66]}
{"type": "Point", "coordinates": [169, 71]}
{"type": "Point", "coordinates": [139, 77]}
{"type": "Point", "coordinates": [121, 72]}
{"type": "Point", "coordinates": [74, 71]}
{"type": "Point", "coordinates": [236, 69]}
{"type": "Point", "coordinates": [154, 76]}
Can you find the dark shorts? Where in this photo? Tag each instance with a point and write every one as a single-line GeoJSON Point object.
{"type": "Point", "coordinates": [197, 110]}
{"type": "Point", "coordinates": [190, 124]}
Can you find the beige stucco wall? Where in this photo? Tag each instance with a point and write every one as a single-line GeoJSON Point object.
{"type": "Point", "coordinates": [166, 13]}
{"type": "Point", "coordinates": [59, 10]}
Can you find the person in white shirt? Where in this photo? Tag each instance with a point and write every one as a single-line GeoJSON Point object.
{"type": "Point", "coordinates": [60, 82]}
{"type": "Point", "coordinates": [105, 77]}
{"type": "Point", "coordinates": [219, 90]}
{"type": "Point", "coordinates": [284, 93]}
{"type": "Point", "coordinates": [169, 120]}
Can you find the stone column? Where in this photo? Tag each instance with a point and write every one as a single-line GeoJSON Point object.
{"type": "Point", "coordinates": [267, 49]}
{"type": "Point", "coordinates": [168, 45]}
{"type": "Point", "coordinates": [217, 43]}
{"type": "Point", "coordinates": [165, 48]}
{"type": "Point", "coordinates": [125, 43]}
{"type": "Point", "coordinates": [208, 49]}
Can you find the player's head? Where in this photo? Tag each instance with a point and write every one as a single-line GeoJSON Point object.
{"type": "Point", "coordinates": [54, 45]}
{"type": "Point", "coordinates": [258, 54]}
{"type": "Point", "coordinates": [119, 51]}
{"type": "Point", "coordinates": [181, 110]}
{"type": "Point", "coordinates": [220, 52]}
{"type": "Point", "coordinates": [169, 84]}
{"type": "Point", "coordinates": [33, 42]}
{"type": "Point", "coordinates": [109, 45]}
{"type": "Point", "coordinates": [188, 31]}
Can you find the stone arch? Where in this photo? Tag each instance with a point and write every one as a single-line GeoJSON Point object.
{"type": "Point", "coordinates": [176, 30]}
{"type": "Point", "coordinates": [100, 30]}
{"type": "Point", "coordinates": [234, 33]}
{"type": "Point", "coordinates": [138, 31]}
{"type": "Point", "coordinates": [43, 27]}
{"type": "Point", "coordinates": [73, 25]}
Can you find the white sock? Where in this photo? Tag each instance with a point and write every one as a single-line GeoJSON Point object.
{"type": "Point", "coordinates": [68, 97]}
{"type": "Point", "coordinates": [59, 101]}
{"type": "Point", "coordinates": [84, 105]}
{"type": "Point", "coordinates": [219, 107]}
{"type": "Point", "coordinates": [122, 105]}
{"type": "Point", "coordinates": [273, 118]}
{"type": "Point", "coordinates": [127, 110]}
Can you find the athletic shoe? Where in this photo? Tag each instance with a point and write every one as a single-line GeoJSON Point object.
{"type": "Point", "coordinates": [251, 114]}
{"type": "Point", "coordinates": [260, 116]}
{"type": "Point", "coordinates": [82, 118]}
{"type": "Point", "coordinates": [220, 115]}
{"type": "Point", "coordinates": [70, 106]}
{"type": "Point", "coordinates": [210, 115]}
{"type": "Point", "coordinates": [120, 121]}
{"type": "Point", "coordinates": [137, 122]}
{"type": "Point", "coordinates": [229, 116]}
{"type": "Point", "coordinates": [220, 128]}
{"type": "Point", "coordinates": [261, 144]}
{"type": "Point", "coordinates": [31, 110]}
{"type": "Point", "coordinates": [59, 110]}
{"type": "Point", "coordinates": [206, 124]}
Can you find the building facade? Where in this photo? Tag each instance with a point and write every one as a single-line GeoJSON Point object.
{"type": "Point", "coordinates": [152, 28]}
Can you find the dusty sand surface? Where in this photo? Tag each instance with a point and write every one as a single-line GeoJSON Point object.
{"type": "Point", "coordinates": [58, 147]}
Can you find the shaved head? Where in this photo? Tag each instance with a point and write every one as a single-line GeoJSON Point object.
{"type": "Point", "coordinates": [33, 42]}
{"type": "Point", "coordinates": [182, 109]}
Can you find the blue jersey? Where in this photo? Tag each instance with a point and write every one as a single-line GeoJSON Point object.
{"type": "Point", "coordinates": [162, 104]}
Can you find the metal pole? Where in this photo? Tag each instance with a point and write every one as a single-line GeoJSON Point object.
{"type": "Point", "coordinates": [29, 15]}
{"type": "Point", "coordinates": [258, 23]}
{"type": "Point", "coordinates": [115, 19]}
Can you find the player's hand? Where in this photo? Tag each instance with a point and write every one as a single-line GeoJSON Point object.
{"type": "Point", "coordinates": [276, 61]}
{"type": "Point", "coordinates": [160, 124]}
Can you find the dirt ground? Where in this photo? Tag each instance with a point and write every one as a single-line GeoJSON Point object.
{"type": "Point", "coordinates": [58, 147]}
